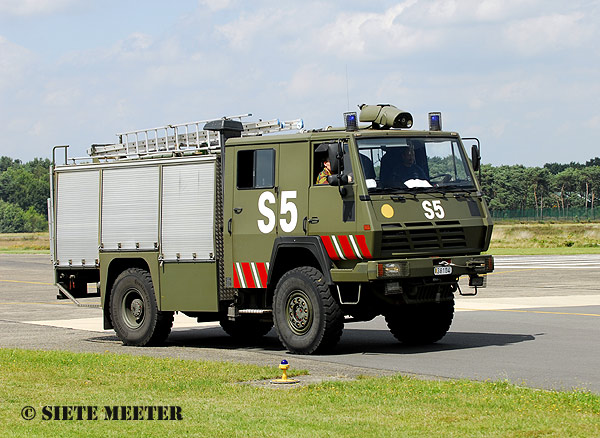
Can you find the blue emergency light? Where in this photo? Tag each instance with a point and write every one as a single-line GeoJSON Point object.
{"type": "Point", "coordinates": [435, 121]}
{"type": "Point", "coordinates": [350, 121]}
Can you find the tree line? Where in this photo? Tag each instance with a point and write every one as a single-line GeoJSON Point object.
{"type": "Point", "coordinates": [25, 187]}
{"type": "Point", "coordinates": [555, 186]}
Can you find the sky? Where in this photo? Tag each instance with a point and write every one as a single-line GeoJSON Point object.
{"type": "Point", "coordinates": [521, 75]}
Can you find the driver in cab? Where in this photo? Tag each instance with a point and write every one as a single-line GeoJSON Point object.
{"type": "Point", "coordinates": [408, 168]}
{"type": "Point", "coordinates": [399, 166]}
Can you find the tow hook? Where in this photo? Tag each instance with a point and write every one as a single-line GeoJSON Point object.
{"type": "Point", "coordinates": [476, 280]}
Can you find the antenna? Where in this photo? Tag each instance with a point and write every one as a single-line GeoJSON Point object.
{"type": "Point", "coordinates": [347, 93]}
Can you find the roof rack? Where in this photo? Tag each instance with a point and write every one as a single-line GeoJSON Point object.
{"type": "Point", "coordinates": [181, 139]}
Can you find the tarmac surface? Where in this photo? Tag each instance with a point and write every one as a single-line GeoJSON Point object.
{"type": "Point", "coordinates": [537, 324]}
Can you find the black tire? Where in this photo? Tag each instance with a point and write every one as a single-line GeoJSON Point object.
{"type": "Point", "coordinates": [134, 312]}
{"type": "Point", "coordinates": [246, 329]}
{"type": "Point", "coordinates": [421, 324]}
{"type": "Point", "coordinates": [306, 316]}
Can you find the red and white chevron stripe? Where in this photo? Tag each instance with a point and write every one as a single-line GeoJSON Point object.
{"type": "Point", "coordinates": [250, 275]}
{"type": "Point", "coordinates": [346, 247]}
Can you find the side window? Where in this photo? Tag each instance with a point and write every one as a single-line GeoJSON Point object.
{"type": "Point", "coordinates": [321, 168]}
{"type": "Point", "coordinates": [320, 158]}
{"type": "Point", "coordinates": [256, 169]}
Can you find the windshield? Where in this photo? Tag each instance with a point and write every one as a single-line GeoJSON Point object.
{"type": "Point", "coordinates": [392, 164]}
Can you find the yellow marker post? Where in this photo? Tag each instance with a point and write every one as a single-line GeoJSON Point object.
{"type": "Point", "coordinates": [284, 366]}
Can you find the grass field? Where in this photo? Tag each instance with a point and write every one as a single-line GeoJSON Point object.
{"type": "Point", "coordinates": [214, 404]}
{"type": "Point", "coordinates": [24, 243]}
{"type": "Point", "coordinates": [565, 238]}
{"type": "Point", "coordinates": [517, 238]}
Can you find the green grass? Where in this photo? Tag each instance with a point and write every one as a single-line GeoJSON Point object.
{"type": "Point", "coordinates": [214, 405]}
{"type": "Point", "coordinates": [561, 238]}
{"type": "Point", "coordinates": [542, 251]}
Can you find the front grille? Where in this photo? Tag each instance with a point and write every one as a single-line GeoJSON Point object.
{"type": "Point", "coordinates": [421, 236]}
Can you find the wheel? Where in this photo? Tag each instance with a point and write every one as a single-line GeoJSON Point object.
{"type": "Point", "coordinates": [133, 310]}
{"type": "Point", "coordinates": [421, 324]}
{"type": "Point", "coordinates": [306, 316]}
{"type": "Point", "coordinates": [246, 329]}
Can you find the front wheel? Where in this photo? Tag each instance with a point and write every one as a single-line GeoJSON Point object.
{"type": "Point", "coordinates": [133, 310]}
{"type": "Point", "coordinates": [421, 324]}
{"type": "Point", "coordinates": [306, 316]}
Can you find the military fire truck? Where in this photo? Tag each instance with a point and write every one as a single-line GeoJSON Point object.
{"type": "Point", "coordinates": [237, 222]}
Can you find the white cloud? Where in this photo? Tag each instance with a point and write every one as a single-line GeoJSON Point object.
{"type": "Point", "coordinates": [14, 61]}
{"type": "Point", "coordinates": [548, 33]}
{"type": "Point", "coordinates": [311, 78]}
{"type": "Point", "coordinates": [446, 12]}
{"type": "Point", "coordinates": [33, 7]}
{"type": "Point", "coordinates": [216, 5]}
{"type": "Point", "coordinates": [243, 32]}
{"type": "Point", "coordinates": [63, 97]}
{"type": "Point", "coordinates": [373, 35]}
{"type": "Point", "coordinates": [593, 122]}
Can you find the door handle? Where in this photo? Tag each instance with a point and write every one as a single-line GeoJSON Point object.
{"type": "Point", "coordinates": [312, 220]}
{"type": "Point", "coordinates": [237, 210]}
{"type": "Point", "coordinates": [229, 226]}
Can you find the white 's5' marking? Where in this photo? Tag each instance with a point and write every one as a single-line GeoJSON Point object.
{"type": "Point", "coordinates": [433, 209]}
{"type": "Point", "coordinates": [287, 206]}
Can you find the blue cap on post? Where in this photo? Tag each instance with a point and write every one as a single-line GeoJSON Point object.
{"type": "Point", "coordinates": [284, 362]}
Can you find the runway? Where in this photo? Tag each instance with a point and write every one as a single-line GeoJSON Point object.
{"type": "Point", "coordinates": [537, 323]}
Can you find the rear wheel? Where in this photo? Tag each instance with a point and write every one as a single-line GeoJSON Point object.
{"type": "Point", "coordinates": [421, 324]}
{"type": "Point", "coordinates": [306, 316]}
{"type": "Point", "coordinates": [134, 312]}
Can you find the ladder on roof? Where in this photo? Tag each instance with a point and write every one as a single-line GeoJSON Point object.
{"type": "Point", "coordinates": [182, 138]}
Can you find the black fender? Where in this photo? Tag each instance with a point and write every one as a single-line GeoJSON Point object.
{"type": "Point", "coordinates": [306, 251]}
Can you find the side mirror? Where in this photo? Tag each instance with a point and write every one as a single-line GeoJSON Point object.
{"type": "Point", "coordinates": [336, 157]}
{"type": "Point", "coordinates": [475, 157]}
{"type": "Point", "coordinates": [338, 180]}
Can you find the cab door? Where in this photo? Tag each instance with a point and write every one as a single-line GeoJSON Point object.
{"type": "Point", "coordinates": [332, 213]}
{"type": "Point", "coordinates": [250, 216]}
{"type": "Point", "coordinates": [293, 182]}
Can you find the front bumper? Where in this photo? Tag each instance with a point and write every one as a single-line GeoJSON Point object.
{"type": "Point", "coordinates": [415, 268]}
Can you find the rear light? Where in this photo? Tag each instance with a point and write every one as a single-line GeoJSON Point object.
{"type": "Point", "coordinates": [489, 264]}
{"type": "Point", "coordinates": [392, 270]}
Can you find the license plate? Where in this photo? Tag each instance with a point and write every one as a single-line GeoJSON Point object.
{"type": "Point", "coordinates": [442, 270]}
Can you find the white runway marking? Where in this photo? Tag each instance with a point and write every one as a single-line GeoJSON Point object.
{"type": "Point", "coordinates": [95, 324]}
{"type": "Point", "coordinates": [476, 303]}
{"type": "Point", "coordinates": [590, 261]}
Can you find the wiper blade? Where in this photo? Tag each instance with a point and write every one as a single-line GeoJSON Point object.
{"type": "Point", "coordinates": [459, 188]}
{"type": "Point", "coordinates": [430, 189]}
{"type": "Point", "coordinates": [387, 190]}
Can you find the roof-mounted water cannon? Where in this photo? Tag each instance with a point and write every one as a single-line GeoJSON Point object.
{"type": "Point", "coordinates": [385, 116]}
{"type": "Point", "coordinates": [435, 121]}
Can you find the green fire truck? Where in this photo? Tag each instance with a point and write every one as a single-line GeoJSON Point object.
{"type": "Point", "coordinates": [238, 222]}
